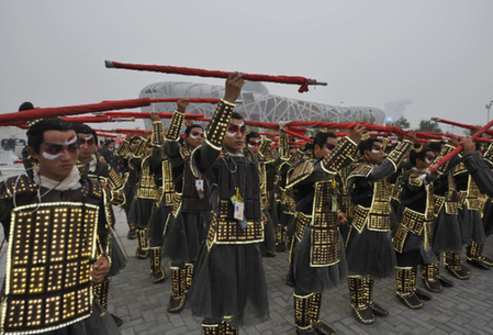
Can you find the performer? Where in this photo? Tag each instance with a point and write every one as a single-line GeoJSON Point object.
{"type": "Point", "coordinates": [57, 229]}
{"type": "Point", "coordinates": [188, 231]}
{"type": "Point", "coordinates": [319, 261]}
{"type": "Point", "coordinates": [27, 160]}
{"type": "Point", "coordinates": [258, 149]}
{"type": "Point", "coordinates": [481, 175]}
{"type": "Point", "coordinates": [93, 166]}
{"type": "Point", "coordinates": [369, 247]}
{"type": "Point", "coordinates": [413, 237]}
{"type": "Point", "coordinates": [229, 286]}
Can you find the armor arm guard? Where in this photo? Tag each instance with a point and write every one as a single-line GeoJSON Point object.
{"type": "Point", "coordinates": [157, 136]}
{"type": "Point", "coordinates": [488, 155]}
{"type": "Point", "coordinates": [401, 151]}
{"type": "Point", "coordinates": [173, 133]}
{"type": "Point", "coordinates": [216, 130]}
{"type": "Point", "coordinates": [416, 181]}
{"type": "Point", "coordinates": [342, 155]}
{"type": "Point", "coordinates": [205, 155]}
{"type": "Point", "coordinates": [447, 166]}
{"type": "Point", "coordinates": [480, 172]}
{"type": "Point", "coordinates": [284, 146]}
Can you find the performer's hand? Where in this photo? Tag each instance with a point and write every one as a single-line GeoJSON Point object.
{"type": "Point", "coordinates": [341, 218]}
{"type": "Point", "coordinates": [181, 106]}
{"type": "Point", "coordinates": [155, 117]}
{"type": "Point", "coordinates": [469, 145]}
{"type": "Point", "coordinates": [100, 269]}
{"type": "Point", "coordinates": [356, 133]}
{"type": "Point", "coordinates": [233, 86]}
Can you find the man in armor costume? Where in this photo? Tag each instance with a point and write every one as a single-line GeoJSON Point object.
{"type": "Point", "coordinates": [259, 148]}
{"type": "Point", "coordinates": [229, 286]}
{"type": "Point", "coordinates": [28, 162]}
{"type": "Point", "coordinates": [57, 226]}
{"type": "Point", "coordinates": [479, 168]}
{"type": "Point", "coordinates": [319, 261]}
{"type": "Point", "coordinates": [129, 157]}
{"type": "Point", "coordinates": [413, 237]}
{"type": "Point", "coordinates": [369, 246]}
{"type": "Point", "coordinates": [185, 234]}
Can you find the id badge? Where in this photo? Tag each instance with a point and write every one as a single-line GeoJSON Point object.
{"type": "Point", "coordinates": [199, 186]}
{"type": "Point", "coordinates": [239, 210]}
{"type": "Point", "coordinates": [335, 204]}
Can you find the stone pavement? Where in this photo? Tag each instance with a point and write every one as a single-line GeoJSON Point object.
{"type": "Point", "coordinates": [467, 308]}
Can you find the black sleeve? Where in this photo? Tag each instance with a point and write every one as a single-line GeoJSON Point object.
{"type": "Point", "coordinates": [480, 172]}
{"type": "Point", "coordinates": [387, 168]}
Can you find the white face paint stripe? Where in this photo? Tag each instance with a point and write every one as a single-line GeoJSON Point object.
{"type": "Point", "coordinates": [50, 156]}
{"type": "Point", "coordinates": [86, 137]}
{"type": "Point", "coordinates": [375, 151]}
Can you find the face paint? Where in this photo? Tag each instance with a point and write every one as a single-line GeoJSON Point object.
{"type": "Point", "coordinates": [330, 146]}
{"type": "Point", "coordinates": [233, 129]}
{"type": "Point", "coordinates": [196, 135]}
{"type": "Point", "coordinates": [54, 151]}
{"type": "Point", "coordinates": [86, 139]}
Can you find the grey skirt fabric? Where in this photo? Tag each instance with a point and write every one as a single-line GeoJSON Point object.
{"type": "Point", "coordinates": [230, 281]}
{"type": "Point", "coordinates": [446, 233]}
{"type": "Point", "coordinates": [471, 227]}
{"type": "Point", "coordinates": [140, 212]}
{"type": "Point", "coordinates": [316, 279]}
{"type": "Point", "coordinates": [370, 253]}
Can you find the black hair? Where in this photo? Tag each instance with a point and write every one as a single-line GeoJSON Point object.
{"type": "Point", "coordinates": [320, 139]}
{"type": "Point", "coordinates": [35, 134]}
{"type": "Point", "coordinates": [26, 105]}
{"type": "Point", "coordinates": [414, 155]}
{"type": "Point", "coordinates": [81, 128]}
{"type": "Point", "coordinates": [236, 116]}
{"type": "Point", "coordinates": [367, 145]}
{"type": "Point", "coordinates": [190, 127]}
{"type": "Point", "coordinates": [252, 134]}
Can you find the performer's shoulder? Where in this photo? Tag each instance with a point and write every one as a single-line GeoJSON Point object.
{"type": "Point", "coordinates": [360, 169]}
{"type": "Point", "coordinates": [17, 184]}
{"type": "Point", "coordinates": [299, 172]}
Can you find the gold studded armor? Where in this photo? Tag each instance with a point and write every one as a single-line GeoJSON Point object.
{"type": "Point", "coordinates": [147, 188]}
{"type": "Point", "coordinates": [49, 259]}
{"type": "Point", "coordinates": [400, 152]}
{"type": "Point", "coordinates": [405, 280]}
{"type": "Point", "coordinates": [377, 216]}
{"type": "Point", "coordinates": [169, 197]}
{"type": "Point", "coordinates": [283, 146]}
{"type": "Point", "coordinates": [173, 133]}
{"type": "Point", "coordinates": [445, 150]}
{"type": "Point", "coordinates": [488, 155]}
{"type": "Point", "coordinates": [224, 231]}
{"type": "Point", "coordinates": [342, 155]}
{"type": "Point", "coordinates": [472, 197]}
{"type": "Point", "coordinates": [123, 150]}
{"type": "Point", "coordinates": [157, 136]}
{"type": "Point", "coordinates": [359, 291]}
{"type": "Point", "coordinates": [324, 232]}
{"type": "Point", "coordinates": [216, 130]}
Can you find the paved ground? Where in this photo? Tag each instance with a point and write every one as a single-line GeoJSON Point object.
{"type": "Point", "coordinates": [466, 308]}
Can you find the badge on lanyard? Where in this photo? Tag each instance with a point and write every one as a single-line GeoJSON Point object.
{"type": "Point", "coordinates": [238, 205]}
{"type": "Point", "coordinates": [199, 186]}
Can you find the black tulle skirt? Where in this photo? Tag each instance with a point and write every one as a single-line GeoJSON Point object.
{"type": "Point", "coordinates": [230, 281]}
{"type": "Point", "coordinates": [488, 218]}
{"type": "Point", "coordinates": [471, 226]}
{"type": "Point", "coordinates": [316, 279]}
{"type": "Point", "coordinates": [158, 221]}
{"type": "Point", "coordinates": [414, 252]}
{"type": "Point", "coordinates": [446, 233]}
{"type": "Point", "coordinates": [97, 324]}
{"type": "Point", "coordinates": [140, 212]}
{"type": "Point", "coordinates": [118, 255]}
{"type": "Point", "coordinates": [370, 253]}
{"type": "Point", "coordinates": [185, 236]}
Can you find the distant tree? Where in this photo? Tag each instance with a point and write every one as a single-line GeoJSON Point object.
{"type": "Point", "coordinates": [402, 122]}
{"type": "Point", "coordinates": [429, 126]}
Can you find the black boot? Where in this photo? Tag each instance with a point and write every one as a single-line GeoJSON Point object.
{"type": "Point", "coordinates": [227, 328]}
{"type": "Point", "coordinates": [405, 282]}
{"type": "Point", "coordinates": [377, 309]}
{"type": "Point", "coordinates": [157, 271]}
{"type": "Point", "coordinates": [430, 275]}
{"type": "Point", "coordinates": [211, 328]}
{"type": "Point", "coordinates": [320, 327]}
{"type": "Point", "coordinates": [360, 299]}
{"type": "Point", "coordinates": [280, 239]}
{"type": "Point", "coordinates": [142, 244]}
{"type": "Point", "coordinates": [132, 233]}
{"type": "Point", "coordinates": [454, 266]}
{"type": "Point", "coordinates": [475, 257]}
{"type": "Point", "coordinates": [178, 296]}
{"type": "Point", "coordinates": [302, 317]}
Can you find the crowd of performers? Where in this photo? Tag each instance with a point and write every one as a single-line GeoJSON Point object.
{"type": "Point", "coordinates": [214, 202]}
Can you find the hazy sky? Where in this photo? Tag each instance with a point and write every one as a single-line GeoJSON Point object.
{"type": "Point", "coordinates": [436, 53]}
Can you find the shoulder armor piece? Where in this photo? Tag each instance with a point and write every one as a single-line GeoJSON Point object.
{"type": "Point", "coordinates": [300, 172]}
{"type": "Point", "coordinates": [17, 184]}
{"type": "Point", "coordinates": [360, 170]}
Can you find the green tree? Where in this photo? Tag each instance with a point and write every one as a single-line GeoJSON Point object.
{"type": "Point", "coordinates": [429, 126]}
{"type": "Point", "coordinates": [402, 122]}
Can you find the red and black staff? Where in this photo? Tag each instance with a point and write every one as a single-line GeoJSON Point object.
{"type": "Point", "coordinates": [187, 71]}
